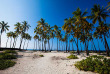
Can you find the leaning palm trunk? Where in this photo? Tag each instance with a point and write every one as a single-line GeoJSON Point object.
{"type": "Point", "coordinates": [21, 43]}
{"type": "Point", "coordinates": [106, 46]}
{"type": "Point", "coordinates": [72, 46]}
{"type": "Point", "coordinates": [98, 46]}
{"type": "Point", "coordinates": [24, 43]}
{"type": "Point", "coordinates": [7, 41]}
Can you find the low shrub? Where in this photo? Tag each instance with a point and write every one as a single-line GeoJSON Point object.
{"type": "Point", "coordinates": [72, 52]}
{"type": "Point", "coordinates": [7, 56]}
{"type": "Point", "coordinates": [95, 63]}
{"type": "Point", "coordinates": [41, 55]}
{"type": "Point", "coordinates": [10, 51]}
{"type": "Point", "coordinates": [6, 63]}
{"type": "Point", "coordinates": [72, 57]}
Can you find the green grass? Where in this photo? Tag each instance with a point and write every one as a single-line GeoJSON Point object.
{"type": "Point", "coordinates": [72, 57]}
{"type": "Point", "coordinates": [41, 55]}
{"type": "Point", "coordinates": [95, 63]}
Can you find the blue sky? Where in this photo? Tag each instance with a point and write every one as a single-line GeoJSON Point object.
{"type": "Point", "coordinates": [53, 11]}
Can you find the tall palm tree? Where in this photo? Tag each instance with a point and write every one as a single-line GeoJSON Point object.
{"type": "Point", "coordinates": [28, 38]}
{"type": "Point", "coordinates": [56, 30]}
{"type": "Point", "coordinates": [14, 35]}
{"type": "Point", "coordinates": [8, 35]}
{"type": "Point", "coordinates": [52, 35]}
{"type": "Point", "coordinates": [3, 28]}
{"type": "Point", "coordinates": [25, 26]}
{"type": "Point", "coordinates": [100, 14]}
{"type": "Point", "coordinates": [36, 37]}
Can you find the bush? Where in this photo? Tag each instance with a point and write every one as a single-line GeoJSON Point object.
{"type": "Point", "coordinates": [41, 55]}
{"type": "Point", "coordinates": [7, 56]}
{"type": "Point", "coordinates": [72, 52]}
{"type": "Point", "coordinates": [10, 51]}
{"type": "Point", "coordinates": [95, 63]}
{"type": "Point", "coordinates": [6, 63]}
{"type": "Point", "coordinates": [72, 57]}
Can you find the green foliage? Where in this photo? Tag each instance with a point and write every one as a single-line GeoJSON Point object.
{"type": "Point", "coordinates": [10, 51]}
{"type": "Point", "coordinates": [72, 57]}
{"type": "Point", "coordinates": [72, 52]}
{"type": "Point", "coordinates": [41, 55]}
{"type": "Point", "coordinates": [7, 56]}
{"type": "Point", "coordinates": [6, 63]}
{"type": "Point", "coordinates": [95, 63]}
{"type": "Point", "coordinates": [5, 59]}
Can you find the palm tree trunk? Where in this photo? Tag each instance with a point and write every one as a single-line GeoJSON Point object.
{"type": "Point", "coordinates": [24, 43]}
{"type": "Point", "coordinates": [27, 45]}
{"type": "Point", "coordinates": [106, 46]}
{"type": "Point", "coordinates": [36, 44]}
{"type": "Point", "coordinates": [10, 42]}
{"type": "Point", "coordinates": [86, 48]}
{"type": "Point", "coordinates": [66, 45]}
{"type": "Point", "coordinates": [21, 43]}
{"type": "Point", "coordinates": [72, 46]}
{"type": "Point", "coordinates": [0, 40]}
{"type": "Point", "coordinates": [15, 43]}
{"type": "Point", "coordinates": [77, 47]}
{"type": "Point", "coordinates": [7, 41]}
{"type": "Point", "coordinates": [98, 46]}
{"type": "Point", "coordinates": [48, 45]}
{"type": "Point", "coordinates": [52, 44]}
{"type": "Point", "coordinates": [81, 46]}
{"type": "Point", "coordinates": [57, 44]}
{"type": "Point", "coordinates": [42, 44]}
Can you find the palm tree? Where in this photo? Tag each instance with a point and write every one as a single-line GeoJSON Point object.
{"type": "Point", "coordinates": [28, 38]}
{"type": "Point", "coordinates": [9, 36]}
{"type": "Point", "coordinates": [14, 35]}
{"type": "Point", "coordinates": [36, 37]}
{"type": "Point", "coordinates": [103, 30]}
{"type": "Point", "coordinates": [100, 14]}
{"type": "Point", "coordinates": [52, 35]}
{"type": "Point", "coordinates": [72, 44]}
{"type": "Point", "coordinates": [3, 28]}
{"type": "Point", "coordinates": [56, 30]}
{"type": "Point", "coordinates": [25, 26]}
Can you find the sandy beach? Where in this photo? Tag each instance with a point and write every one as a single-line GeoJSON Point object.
{"type": "Point", "coordinates": [29, 62]}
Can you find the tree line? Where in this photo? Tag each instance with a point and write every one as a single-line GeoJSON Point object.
{"type": "Point", "coordinates": [77, 28]}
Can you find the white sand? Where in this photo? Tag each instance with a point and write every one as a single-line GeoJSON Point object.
{"type": "Point", "coordinates": [51, 63]}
